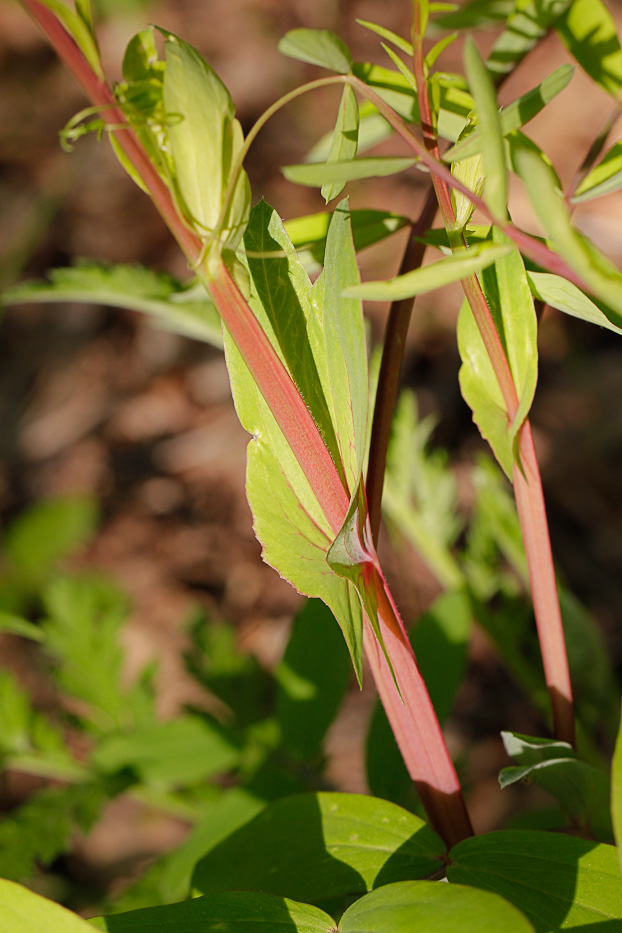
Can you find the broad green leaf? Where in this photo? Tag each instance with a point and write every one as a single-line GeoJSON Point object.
{"type": "Point", "coordinates": [507, 293]}
{"type": "Point", "coordinates": [589, 32]}
{"type": "Point", "coordinates": [181, 751]}
{"type": "Point", "coordinates": [308, 234]}
{"type": "Point", "coordinates": [48, 532]}
{"type": "Point", "coordinates": [205, 140]}
{"type": "Point", "coordinates": [489, 121]}
{"type": "Point", "coordinates": [558, 882]}
{"type": "Point", "coordinates": [599, 274]}
{"type": "Point", "coordinates": [582, 790]}
{"type": "Point", "coordinates": [387, 34]}
{"type": "Point", "coordinates": [605, 178]}
{"type": "Point", "coordinates": [440, 640]}
{"type": "Point", "coordinates": [429, 906]}
{"type": "Point", "coordinates": [372, 129]}
{"type": "Point", "coordinates": [458, 266]}
{"type": "Point", "coordinates": [15, 625]}
{"type": "Point", "coordinates": [292, 528]}
{"type": "Point", "coordinates": [345, 138]}
{"type": "Point", "coordinates": [318, 175]}
{"type": "Point", "coordinates": [527, 23]}
{"type": "Point", "coordinates": [79, 31]}
{"type": "Point", "coordinates": [312, 679]}
{"type": "Point", "coordinates": [23, 911]}
{"type": "Point", "coordinates": [563, 295]}
{"type": "Point", "coordinates": [516, 114]}
{"type": "Point", "coordinates": [317, 846]}
{"type": "Point", "coordinates": [616, 795]}
{"type": "Point", "coordinates": [230, 912]}
{"type": "Point", "coordinates": [182, 309]}
{"type": "Point", "coordinates": [317, 47]}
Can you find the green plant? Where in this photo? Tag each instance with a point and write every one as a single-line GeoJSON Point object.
{"type": "Point", "coordinates": [297, 360]}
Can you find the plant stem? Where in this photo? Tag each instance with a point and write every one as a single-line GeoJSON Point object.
{"type": "Point", "coordinates": [526, 476]}
{"type": "Point", "coordinates": [411, 714]}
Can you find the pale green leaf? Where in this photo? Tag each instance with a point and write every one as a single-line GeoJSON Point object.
{"type": "Point", "coordinates": [508, 296]}
{"type": "Point", "coordinates": [559, 882]}
{"type": "Point", "coordinates": [83, 8]}
{"type": "Point", "coordinates": [527, 23]}
{"type": "Point", "coordinates": [429, 906]}
{"type": "Point", "coordinates": [451, 269]}
{"type": "Point", "coordinates": [345, 138]}
{"type": "Point", "coordinates": [605, 178]}
{"type": "Point", "coordinates": [437, 50]}
{"type": "Point", "coordinates": [23, 911]}
{"type": "Point", "coordinates": [599, 274]}
{"type": "Point", "coordinates": [476, 13]}
{"type": "Point", "coordinates": [616, 795]}
{"type": "Point", "coordinates": [563, 295]}
{"type": "Point", "coordinates": [323, 845]}
{"type": "Point", "coordinates": [401, 66]}
{"type": "Point", "coordinates": [402, 44]}
{"type": "Point", "coordinates": [205, 140]}
{"type": "Point", "coordinates": [316, 175]}
{"type": "Point", "coordinates": [308, 234]}
{"type": "Point", "coordinates": [516, 114]}
{"type": "Point", "coordinates": [492, 148]}
{"type": "Point", "coordinates": [289, 522]}
{"type": "Point", "coordinates": [180, 308]}
{"type": "Point", "coordinates": [317, 47]}
{"type": "Point", "coordinates": [589, 32]}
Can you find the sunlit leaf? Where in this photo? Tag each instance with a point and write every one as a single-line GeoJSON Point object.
{"type": "Point", "coordinates": [616, 795]}
{"type": "Point", "coordinates": [317, 47]}
{"type": "Point", "coordinates": [345, 138]}
{"type": "Point", "coordinates": [558, 881]}
{"type": "Point", "coordinates": [527, 23]}
{"type": "Point", "coordinates": [387, 34]}
{"type": "Point", "coordinates": [79, 30]}
{"type": "Point", "coordinates": [316, 175]}
{"type": "Point", "coordinates": [308, 234]}
{"type": "Point", "coordinates": [491, 136]}
{"type": "Point", "coordinates": [455, 267]}
{"type": "Point", "coordinates": [428, 905]}
{"type": "Point", "coordinates": [563, 295]}
{"type": "Point", "coordinates": [590, 34]}
{"type": "Point", "coordinates": [23, 911]}
{"type": "Point", "coordinates": [605, 178]}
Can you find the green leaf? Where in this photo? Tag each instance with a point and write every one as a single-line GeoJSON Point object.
{"type": "Point", "coordinates": [312, 680]}
{"type": "Point", "coordinates": [589, 32]}
{"type": "Point", "coordinates": [437, 50]}
{"type": "Point", "coordinates": [205, 141]}
{"type": "Point", "coordinates": [308, 234]}
{"type": "Point", "coordinates": [493, 152]}
{"type": "Point", "coordinates": [183, 309]}
{"type": "Point", "coordinates": [458, 266]}
{"type": "Point", "coordinates": [387, 34]}
{"type": "Point", "coordinates": [582, 790]}
{"type": "Point", "coordinates": [230, 912]}
{"type": "Point", "coordinates": [517, 113]}
{"type": "Point", "coordinates": [616, 794]}
{"type": "Point", "coordinates": [563, 295]}
{"type": "Point", "coordinates": [46, 534]}
{"type": "Point", "coordinates": [605, 178]}
{"type": "Point", "coordinates": [345, 138]}
{"type": "Point", "coordinates": [319, 846]}
{"type": "Point", "coordinates": [292, 528]}
{"type": "Point", "coordinates": [507, 293]}
{"type": "Point", "coordinates": [44, 827]}
{"type": "Point", "coordinates": [317, 175]}
{"type": "Point", "coordinates": [527, 23]}
{"type": "Point", "coordinates": [476, 13]}
{"type": "Point", "coordinates": [79, 31]}
{"type": "Point", "coordinates": [82, 632]}
{"type": "Point", "coordinates": [23, 911]}
{"type": "Point", "coordinates": [181, 751]}
{"type": "Point", "coordinates": [430, 906]}
{"type": "Point", "coordinates": [599, 274]}
{"type": "Point", "coordinates": [559, 882]}
{"type": "Point", "coordinates": [15, 625]}
{"type": "Point", "coordinates": [317, 47]}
